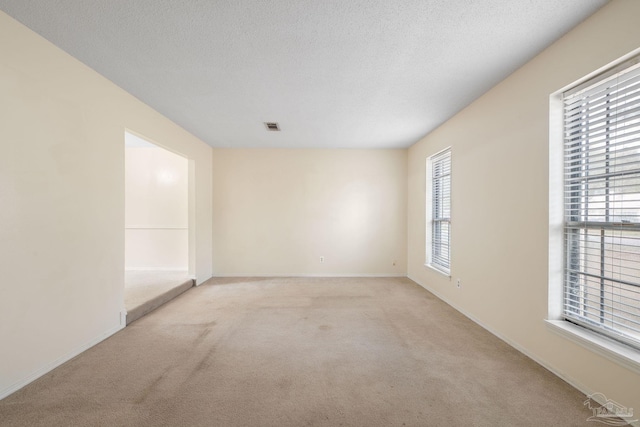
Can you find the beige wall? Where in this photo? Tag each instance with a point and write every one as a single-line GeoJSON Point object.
{"type": "Point", "coordinates": [62, 202]}
{"type": "Point", "coordinates": [500, 216]}
{"type": "Point", "coordinates": [156, 209]}
{"type": "Point", "coordinates": [276, 212]}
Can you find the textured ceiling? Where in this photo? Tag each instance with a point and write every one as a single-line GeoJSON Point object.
{"type": "Point", "coordinates": [332, 73]}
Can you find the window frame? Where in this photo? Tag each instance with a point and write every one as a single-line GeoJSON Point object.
{"type": "Point", "coordinates": [431, 218]}
{"type": "Point", "coordinates": [615, 350]}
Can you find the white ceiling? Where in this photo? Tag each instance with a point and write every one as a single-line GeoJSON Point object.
{"type": "Point", "coordinates": [332, 73]}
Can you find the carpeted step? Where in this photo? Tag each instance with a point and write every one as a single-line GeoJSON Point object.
{"type": "Point", "coordinates": [146, 307]}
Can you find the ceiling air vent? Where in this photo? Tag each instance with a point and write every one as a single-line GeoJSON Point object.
{"type": "Point", "coordinates": [272, 126]}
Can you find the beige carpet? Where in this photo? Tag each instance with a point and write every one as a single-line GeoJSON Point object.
{"type": "Point", "coordinates": [300, 352]}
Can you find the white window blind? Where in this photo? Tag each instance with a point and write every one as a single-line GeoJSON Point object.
{"type": "Point", "coordinates": [602, 204]}
{"type": "Point", "coordinates": [441, 210]}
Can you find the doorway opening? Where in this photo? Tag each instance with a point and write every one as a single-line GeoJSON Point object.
{"type": "Point", "coordinates": [157, 232]}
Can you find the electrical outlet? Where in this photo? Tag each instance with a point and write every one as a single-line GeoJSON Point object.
{"type": "Point", "coordinates": [458, 285]}
{"type": "Point", "coordinates": [321, 259]}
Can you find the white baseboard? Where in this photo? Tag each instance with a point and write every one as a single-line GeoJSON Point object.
{"type": "Point", "coordinates": [51, 366]}
{"type": "Point", "coordinates": [576, 384]}
{"type": "Point", "coordinates": [269, 275]}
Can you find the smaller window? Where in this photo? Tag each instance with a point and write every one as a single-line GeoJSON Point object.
{"type": "Point", "coordinates": [439, 211]}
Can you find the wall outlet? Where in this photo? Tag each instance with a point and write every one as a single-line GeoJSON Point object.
{"type": "Point", "coordinates": [458, 285]}
{"type": "Point", "coordinates": [321, 259]}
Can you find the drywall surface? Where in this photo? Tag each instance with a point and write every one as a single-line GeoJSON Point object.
{"type": "Point", "coordinates": [156, 209]}
{"type": "Point", "coordinates": [62, 202]}
{"type": "Point", "coordinates": [278, 211]}
{"type": "Point", "coordinates": [500, 208]}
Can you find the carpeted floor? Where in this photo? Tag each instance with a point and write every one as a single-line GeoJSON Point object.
{"type": "Point", "coordinates": [300, 352]}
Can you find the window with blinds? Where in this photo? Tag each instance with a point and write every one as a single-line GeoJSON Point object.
{"type": "Point", "coordinates": [440, 210]}
{"type": "Point", "coordinates": [602, 204]}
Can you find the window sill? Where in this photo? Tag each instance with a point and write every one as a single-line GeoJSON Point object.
{"type": "Point", "coordinates": [439, 270]}
{"type": "Point", "coordinates": [621, 354]}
